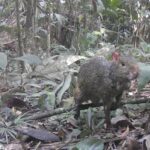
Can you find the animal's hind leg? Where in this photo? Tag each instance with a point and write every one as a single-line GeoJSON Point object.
{"type": "Point", "coordinates": [107, 108]}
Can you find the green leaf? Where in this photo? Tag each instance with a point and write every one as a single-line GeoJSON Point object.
{"type": "Point", "coordinates": [66, 85]}
{"type": "Point", "coordinates": [97, 33]}
{"type": "Point", "coordinates": [145, 47]}
{"type": "Point", "coordinates": [115, 3]}
{"type": "Point", "coordinates": [30, 59]}
{"type": "Point", "coordinates": [60, 18]}
{"type": "Point", "coordinates": [144, 75]}
{"type": "Point", "coordinates": [46, 99]}
{"type": "Point", "coordinates": [50, 100]}
{"type": "Point", "coordinates": [3, 61]}
{"type": "Point", "coordinates": [89, 117]}
{"type": "Point", "coordinates": [100, 5]}
{"type": "Point", "coordinates": [112, 4]}
{"type": "Point", "coordinates": [90, 144]}
{"type": "Point", "coordinates": [92, 38]}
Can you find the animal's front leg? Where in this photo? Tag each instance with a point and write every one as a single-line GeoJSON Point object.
{"type": "Point", "coordinates": [107, 107]}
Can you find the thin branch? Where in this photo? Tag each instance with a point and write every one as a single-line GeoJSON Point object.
{"type": "Point", "coordinates": [84, 106]}
{"type": "Point", "coordinates": [49, 114]}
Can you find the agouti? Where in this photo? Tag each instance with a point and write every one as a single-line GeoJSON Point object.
{"type": "Point", "coordinates": [105, 81]}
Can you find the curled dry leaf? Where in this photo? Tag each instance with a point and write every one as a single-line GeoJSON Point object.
{"type": "Point", "coordinates": [73, 58]}
{"type": "Point", "coordinates": [121, 121]}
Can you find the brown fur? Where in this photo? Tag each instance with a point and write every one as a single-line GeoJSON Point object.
{"type": "Point", "coordinates": [102, 80]}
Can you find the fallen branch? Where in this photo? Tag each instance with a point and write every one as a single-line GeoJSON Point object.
{"type": "Point", "coordinates": [49, 114]}
{"type": "Point", "coordinates": [82, 107]}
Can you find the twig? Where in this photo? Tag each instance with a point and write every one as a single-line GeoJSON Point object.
{"type": "Point", "coordinates": [49, 114]}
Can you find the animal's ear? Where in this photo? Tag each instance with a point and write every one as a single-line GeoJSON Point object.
{"type": "Point", "coordinates": [116, 56]}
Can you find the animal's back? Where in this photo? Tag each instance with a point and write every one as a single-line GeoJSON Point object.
{"type": "Point", "coordinates": [94, 81]}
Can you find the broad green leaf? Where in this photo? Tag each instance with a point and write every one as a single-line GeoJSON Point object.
{"type": "Point", "coordinates": [3, 61]}
{"type": "Point", "coordinates": [89, 117]}
{"type": "Point", "coordinates": [100, 5]}
{"type": "Point", "coordinates": [66, 85]}
{"type": "Point", "coordinates": [74, 133]}
{"type": "Point", "coordinates": [97, 33]}
{"type": "Point", "coordinates": [60, 49]}
{"type": "Point", "coordinates": [144, 75]}
{"type": "Point", "coordinates": [50, 100]}
{"type": "Point", "coordinates": [60, 18]}
{"type": "Point", "coordinates": [145, 47]}
{"type": "Point", "coordinates": [92, 38]}
{"type": "Point", "coordinates": [112, 4]}
{"type": "Point", "coordinates": [115, 3]}
{"type": "Point", "coordinates": [46, 100]}
{"type": "Point", "coordinates": [90, 144]}
{"type": "Point", "coordinates": [30, 59]}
